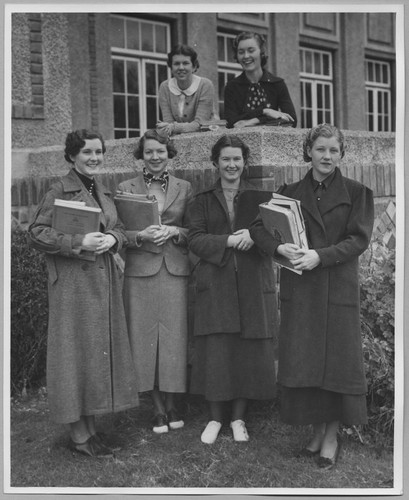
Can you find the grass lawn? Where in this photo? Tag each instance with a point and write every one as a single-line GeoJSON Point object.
{"type": "Point", "coordinates": [40, 458]}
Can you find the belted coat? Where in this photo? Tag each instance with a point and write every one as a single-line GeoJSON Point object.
{"type": "Point", "coordinates": [320, 337]}
{"type": "Point", "coordinates": [89, 366]}
{"type": "Point", "coordinates": [235, 290]}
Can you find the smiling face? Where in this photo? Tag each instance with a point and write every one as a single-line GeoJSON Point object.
{"type": "Point", "coordinates": [249, 55]}
{"type": "Point", "coordinates": [89, 158]}
{"type": "Point", "coordinates": [325, 155]}
{"type": "Point", "coordinates": [155, 156]}
{"type": "Point", "coordinates": [231, 165]}
{"type": "Point", "coordinates": [182, 70]}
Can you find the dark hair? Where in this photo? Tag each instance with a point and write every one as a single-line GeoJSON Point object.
{"type": "Point", "coordinates": [232, 141]}
{"type": "Point", "coordinates": [153, 134]}
{"type": "Point", "coordinates": [75, 141]}
{"type": "Point", "coordinates": [323, 130]}
{"type": "Point", "coordinates": [184, 50]}
{"type": "Point", "coordinates": [261, 42]}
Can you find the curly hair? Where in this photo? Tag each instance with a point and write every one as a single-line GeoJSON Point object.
{"type": "Point", "coordinates": [184, 50]}
{"type": "Point", "coordinates": [226, 141]}
{"type": "Point", "coordinates": [75, 141]}
{"type": "Point", "coordinates": [248, 35]}
{"type": "Point", "coordinates": [323, 130]}
{"type": "Point", "coordinates": [153, 134]}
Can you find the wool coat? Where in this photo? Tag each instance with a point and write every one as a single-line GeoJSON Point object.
{"type": "Point", "coordinates": [155, 294]}
{"type": "Point", "coordinates": [235, 290]}
{"type": "Point", "coordinates": [320, 337]}
{"type": "Point", "coordinates": [235, 98]}
{"type": "Point", "coordinates": [89, 366]}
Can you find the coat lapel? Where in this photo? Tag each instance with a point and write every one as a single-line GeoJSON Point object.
{"type": "Point", "coordinates": [172, 192]}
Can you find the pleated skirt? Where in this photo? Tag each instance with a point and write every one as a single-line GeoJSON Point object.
{"type": "Point", "coordinates": [226, 367]}
{"type": "Point", "coordinates": [312, 405]}
{"type": "Point", "coordinates": [156, 312]}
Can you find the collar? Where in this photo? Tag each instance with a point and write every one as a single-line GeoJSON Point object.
{"type": "Point", "coordinates": [325, 183]}
{"type": "Point", "coordinates": [265, 77]}
{"type": "Point", "coordinates": [174, 87]}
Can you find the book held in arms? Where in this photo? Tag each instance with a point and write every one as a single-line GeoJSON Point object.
{"type": "Point", "coordinates": [137, 211]}
{"type": "Point", "coordinates": [74, 217]}
{"type": "Point", "coordinates": [282, 217]}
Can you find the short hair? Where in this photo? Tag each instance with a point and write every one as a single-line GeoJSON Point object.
{"type": "Point", "coordinates": [184, 50]}
{"type": "Point", "coordinates": [226, 141]}
{"type": "Point", "coordinates": [153, 134]}
{"type": "Point", "coordinates": [261, 42]}
{"type": "Point", "coordinates": [75, 141]}
{"type": "Point", "coordinates": [323, 130]}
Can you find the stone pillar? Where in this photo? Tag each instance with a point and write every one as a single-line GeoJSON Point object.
{"type": "Point", "coordinates": [284, 53]}
{"type": "Point", "coordinates": [352, 72]}
{"type": "Point", "coordinates": [201, 34]}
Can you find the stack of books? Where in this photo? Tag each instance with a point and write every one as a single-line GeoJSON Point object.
{"type": "Point", "coordinates": [282, 217]}
{"type": "Point", "coordinates": [74, 217]}
{"type": "Point", "coordinates": [137, 211]}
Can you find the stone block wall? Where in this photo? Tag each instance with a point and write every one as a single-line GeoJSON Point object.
{"type": "Point", "coordinates": [276, 157]}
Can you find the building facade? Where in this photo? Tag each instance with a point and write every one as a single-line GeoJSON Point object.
{"type": "Point", "coordinates": [103, 70]}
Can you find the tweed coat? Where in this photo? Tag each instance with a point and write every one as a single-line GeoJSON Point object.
{"type": "Point", "coordinates": [235, 290]}
{"type": "Point", "coordinates": [89, 366]}
{"type": "Point", "coordinates": [155, 294]}
{"type": "Point", "coordinates": [320, 336]}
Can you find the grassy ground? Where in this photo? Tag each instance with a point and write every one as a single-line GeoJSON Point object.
{"type": "Point", "coordinates": [40, 458]}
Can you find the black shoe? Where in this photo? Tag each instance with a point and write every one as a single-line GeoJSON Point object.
{"type": "Point", "coordinates": [326, 463]}
{"type": "Point", "coordinates": [90, 448]}
{"type": "Point", "coordinates": [102, 439]}
{"type": "Point", "coordinates": [174, 420]}
{"type": "Point", "coordinates": [160, 424]}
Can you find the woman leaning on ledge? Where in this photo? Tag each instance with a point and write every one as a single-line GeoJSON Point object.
{"type": "Point", "coordinates": [186, 100]}
{"type": "Point", "coordinates": [89, 366]}
{"type": "Point", "coordinates": [256, 97]}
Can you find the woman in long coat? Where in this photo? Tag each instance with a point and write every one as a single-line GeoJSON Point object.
{"type": "Point", "coordinates": [156, 279]}
{"type": "Point", "coordinates": [89, 366]}
{"type": "Point", "coordinates": [235, 312]}
{"type": "Point", "coordinates": [321, 367]}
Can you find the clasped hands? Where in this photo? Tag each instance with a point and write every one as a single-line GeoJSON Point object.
{"type": "Point", "coordinates": [270, 113]}
{"type": "Point", "coordinates": [98, 242]}
{"type": "Point", "coordinates": [302, 259]}
{"type": "Point", "coordinates": [240, 240]}
{"type": "Point", "coordinates": [158, 234]}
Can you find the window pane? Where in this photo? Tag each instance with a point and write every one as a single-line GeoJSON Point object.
{"type": "Point", "coordinates": [328, 117]}
{"type": "Point", "coordinates": [220, 77]}
{"type": "Point", "coordinates": [163, 73]}
{"type": "Point", "coordinates": [132, 35]}
{"type": "Point", "coordinates": [327, 102]}
{"type": "Point", "coordinates": [317, 63]}
{"type": "Point", "coordinates": [385, 102]}
{"type": "Point", "coordinates": [150, 78]}
{"type": "Point", "coordinates": [230, 51]}
{"type": "Point", "coordinates": [308, 117]}
{"type": "Point", "coordinates": [385, 77]}
{"type": "Point", "coordinates": [221, 56]}
{"type": "Point", "coordinates": [320, 104]}
{"type": "Point", "coordinates": [132, 75]}
{"type": "Point", "coordinates": [133, 133]}
{"type": "Point", "coordinates": [151, 112]}
{"type": "Point", "coordinates": [119, 111]}
{"type": "Point", "coordinates": [302, 69]}
{"type": "Point", "coordinates": [325, 63]}
{"type": "Point", "coordinates": [308, 62]}
{"type": "Point", "coordinates": [377, 73]}
{"type": "Point", "coordinates": [161, 39]}
{"type": "Point", "coordinates": [147, 37]}
{"type": "Point", "coordinates": [133, 112]}
{"type": "Point", "coordinates": [308, 95]}
{"type": "Point", "coordinates": [117, 32]}
{"type": "Point", "coordinates": [118, 82]}
{"type": "Point", "coordinates": [120, 134]}
{"type": "Point", "coordinates": [380, 107]}
{"type": "Point", "coordinates": [370, 123]}
{"type": "Point", "coordinates": [370, 101]}
{"type": "Point", "coordinates": [320, 117]}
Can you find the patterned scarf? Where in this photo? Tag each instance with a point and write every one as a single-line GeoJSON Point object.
{"type": "Point", "coordinates": [163, 178]}
{"type": "Point", "coordinates": [256, 97]}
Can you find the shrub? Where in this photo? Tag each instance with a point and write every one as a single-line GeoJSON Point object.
{"type": "Point", "coordinates": [378, 331]}
{"type": "Point", "coordinates": [29, 313]}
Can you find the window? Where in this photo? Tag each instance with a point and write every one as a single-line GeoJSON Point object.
{"type": "Point", "coordinates": [378, 96]}
{"type": "Point", "coordinates": [139, 54]}
{"type": "Point", "coordinates": [227, 67]}
{"type": "Point", "coordinates": [317, 101]}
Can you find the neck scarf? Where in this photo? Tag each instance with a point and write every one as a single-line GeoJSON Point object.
{"type": "Point", "coordinates": [163, 178]}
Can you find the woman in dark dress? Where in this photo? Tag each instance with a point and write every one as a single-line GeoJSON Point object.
{"type": "Point", "coordinates": [256, 97]}
{"type": "Point", "coordinates": [235, 313]}
{"type": "Point", "coordinates": [321, 369]}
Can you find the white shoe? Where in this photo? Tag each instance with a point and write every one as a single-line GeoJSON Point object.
{"type": "Point", "coordinates": [209, 435]}
{"type": "Point", "coordinates": [239, 430]}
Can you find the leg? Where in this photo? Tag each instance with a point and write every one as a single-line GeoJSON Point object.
{"type": "Point", "coordinates": [79, 430]}
{"type": "Point", "coordinates": [239, 408]}
{"type": "Point", "coordinates": [330, 443]}
{"type": "Point", "coordinates": [174, 420]}
{"type": "Point", "coordinates": [315, 444]}
{"type": "Point", "coordinates": [160, 420]}
{"type": "Point", "coordinates": [84, 439]}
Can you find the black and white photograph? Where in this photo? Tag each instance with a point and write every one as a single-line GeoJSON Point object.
{"type": "Point", "coordinates": [204, 250]}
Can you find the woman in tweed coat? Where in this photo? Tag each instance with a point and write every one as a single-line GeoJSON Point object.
{"type": "Point", "coordinates": [89, 366]}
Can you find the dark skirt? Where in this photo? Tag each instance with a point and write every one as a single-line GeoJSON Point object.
{"type": "Point", "coordinates": [312, 405]}
{"type": "Point", "coordinates": [226, 367]}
